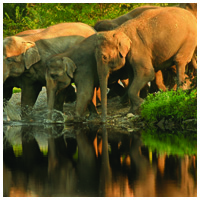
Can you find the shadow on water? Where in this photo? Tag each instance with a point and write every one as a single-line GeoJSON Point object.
{"type": "Point", "coordinates": [92, 160]}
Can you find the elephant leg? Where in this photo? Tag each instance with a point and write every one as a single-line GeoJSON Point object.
{"type": "Point", "coordinates": [180, 68]}
{"type": "Point", "coordinates": [144, 91]}
{"type": "Point", "coordinates": [84, 97]}
{"type": "Point", "coordinates": [124, 100]}
{"type": "Point", "coordinates": [98, 93]}
{"type": "Point", "coordinates": [29, 94]}
{"type": "Point", "coordinates": [70, 94]}
{"type": "Point", "coordinates": [160, 81]}
{"type": "Point", "coordinates": [192, 67]}
{"type": "Point", "coordinates": [60, 98]}
{"type": "Point", "coordinates": [142, 76]}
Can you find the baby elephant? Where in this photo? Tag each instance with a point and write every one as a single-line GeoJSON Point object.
{"type": "Point", "coordinates": [58, 77]}
{"type": "Point", "coordinates": [75, 65]}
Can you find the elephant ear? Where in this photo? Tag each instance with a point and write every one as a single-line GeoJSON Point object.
{"type": "Point", "coordinates": [31, 54]}
{"type": "Point", "coordinates": [124, 43]}
{"type": "Point", "coordinates": [70, 66]}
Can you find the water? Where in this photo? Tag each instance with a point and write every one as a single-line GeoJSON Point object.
{"type": "Point", "coordinates": [84, 160]}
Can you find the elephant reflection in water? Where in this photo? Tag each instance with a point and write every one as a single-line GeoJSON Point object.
{"type": "Point", "coordinates": [184, 184]}
{"type": "Point", "coordinates": [94, 173]}
{"type": "Point", "coordinates": [142, 177]}
{"type": "Point", "coordinates": [112, 183]}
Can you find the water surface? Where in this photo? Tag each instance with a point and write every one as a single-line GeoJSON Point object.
{"type": "Point", "coordinates": [88, 160]}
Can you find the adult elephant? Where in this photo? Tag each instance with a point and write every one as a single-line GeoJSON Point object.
{"type": "Point", "coordinates": [154, 40]}
{"type": "Point", "coordinates": [162, 75]}
{"type": "Point", "coordinates": [110, 24]}
{"type": "Point", "coordinates": [24, 57]}
{"type": "Point", "coordinates": [78, 65]}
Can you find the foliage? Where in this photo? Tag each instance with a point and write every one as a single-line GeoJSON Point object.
{"type": "Point", "coordinates": [171, 142]}
{"type": "Point", "coordinates": [16, 90]}
{"type": "Point", "coordinates": [20, 17]}
{"type": "Point", "coordinates": [178, 105]}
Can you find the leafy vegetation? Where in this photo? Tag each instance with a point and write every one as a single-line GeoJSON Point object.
{"type": "Point", "coordinates": [178, 105]}
{"type": "Point", "coordinates": [18, 17]}
{"type": "Point", "coordinates": [16, 90]}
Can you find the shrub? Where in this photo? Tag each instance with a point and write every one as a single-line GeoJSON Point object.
{"type": "Point", "coordinates": [20, 17]}
{"type": "Point", "coordinates": [179, 105]}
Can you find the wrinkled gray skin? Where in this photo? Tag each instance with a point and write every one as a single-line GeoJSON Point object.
{"type": "Point", "coordinates": [25, 57]}
{"type": "Point", "coordinates": [107, 25]}
{"type": "Point", "coordinates": [78, 65]}
{"type": "Point", "coordinates": [155, 40]}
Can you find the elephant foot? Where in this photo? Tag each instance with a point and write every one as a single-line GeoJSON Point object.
{"type": "Point", "coordinates": [135, 111]}
{"type": "Point", "coordinates": [124, 100]}
{"type": "Point", "coordinates": [79, 119]}
{"type": "Point", "coordinates": [93, 117]}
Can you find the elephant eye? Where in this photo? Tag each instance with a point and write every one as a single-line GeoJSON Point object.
{"type": "Point", "coordinates": [104, 57]}
{"type": "Point", "coordinates": [9, 59]}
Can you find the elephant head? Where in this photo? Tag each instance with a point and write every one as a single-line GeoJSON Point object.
{"type": "Point", "coordinates": [18, 55]}
{"type": "Point", "coordinates": [110, 52]}
{"type": "Point", "coordinates": [59, 73]}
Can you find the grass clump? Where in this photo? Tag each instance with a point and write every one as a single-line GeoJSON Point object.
{"type": "Point", "coordinates": [16, 90]}
{"type": "Point", "coordinates": [177, 105]}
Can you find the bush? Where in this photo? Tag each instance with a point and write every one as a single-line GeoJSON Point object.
{"type": "Point", "coordinates": [178, 105]}
{"type": "Point", "coordinates": [20, 17]}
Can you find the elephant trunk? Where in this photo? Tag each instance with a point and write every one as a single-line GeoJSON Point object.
{"type": "Point", "coordinates": [51, 91]}
{"type": "Point", "coordinates": [50, 103]}
{"type": "Point", "coordinates": [103, 80]}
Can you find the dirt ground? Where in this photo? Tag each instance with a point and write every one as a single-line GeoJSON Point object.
{"type": "Point", "coordinates": [117, 113]}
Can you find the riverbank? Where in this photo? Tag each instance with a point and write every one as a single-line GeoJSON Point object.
{"type": "Point", "coordinates": [118, 115]}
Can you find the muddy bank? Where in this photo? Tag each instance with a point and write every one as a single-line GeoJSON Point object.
{"type": "Point", "coordinates": [117, 113]}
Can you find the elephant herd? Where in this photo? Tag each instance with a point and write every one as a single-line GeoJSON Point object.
{"type": "Point", "coordinates": [140, 46]}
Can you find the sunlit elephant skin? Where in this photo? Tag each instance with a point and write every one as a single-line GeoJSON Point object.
{"type": "Point", "coordinates": [29, 32]}
{"type": "Point", "coordinates": [158, 83]}
{"type": "Point", "coordinates": [25, 57]}
{"type": "Point", "coordinates": [107, 25]}
{"type": "Point", "coordinates": [192, 7]}
{"type": "Point", "coordinates": [155, 40]}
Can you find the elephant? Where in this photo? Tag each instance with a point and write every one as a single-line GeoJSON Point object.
{"type": "Point", "coordinates": [25, 57]}
{"type": "Point", "coordinates": [78, 65]}
{"type": "Point", "coordinates": [29, 32]}
{"type": "Point", "coordinates": [192, 7]}
{"type": "Point", "coordinates": [158, 82]}
{"type": "Point", "coordinates": [155, 40]}
{"type": "Point", "coordinates": [106, 25]}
